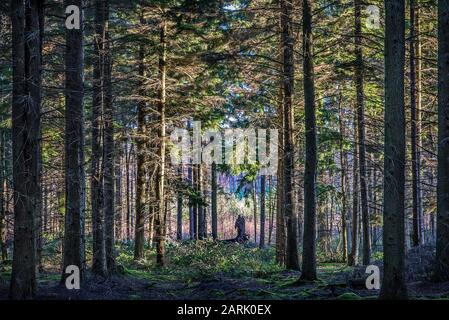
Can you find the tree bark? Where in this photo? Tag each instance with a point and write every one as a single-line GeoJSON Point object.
{"type": "Point", "coordinates": [359, 79]}
{"type": "Point", "coordinates": [139, 240]}
{"type": "Point", "coordinates": [344, 200]}
{"type": "Point", "coordinates": [108, 156]}
{"type": "Point", "coordinates": [414, 132]}
{"type": "Point", "coordinates": [4, 253]}
{"type": "Point", "coordinates": [26, 99]}
{"type": "Point", "coordinates": [442, 248]}
{"type": "Point", "coordinates": [292, 260]}
{"type": "Point", "coordinates": [262, 211]}
{"type": "Point", "coordinates": [255, 209]}
{"type": "Point", "coordinates": [160, 176]}
{"type": "Point", "coordinates": [74, 160]}
{"type": "Point", "coordinates": [96, 188]}
{"type": "Point", "coordinates": [280, 218]}
{"type": "Point", "coordinates": [214, 202]}
{"type": "Point", "coordinates": [353, 256]}
{"type": "Point", "coordinates": [309, 243]}
{"type": "Point", "coordinates": [393, 283]}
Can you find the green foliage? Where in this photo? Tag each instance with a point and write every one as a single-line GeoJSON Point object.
{"type": "Point", "coordinates": [204, 259]}
{"type": "Point", "coordinates": [193, 261]}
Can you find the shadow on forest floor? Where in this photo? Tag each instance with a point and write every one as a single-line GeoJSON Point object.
{"type": "Point", "coordinates": [203, 271]}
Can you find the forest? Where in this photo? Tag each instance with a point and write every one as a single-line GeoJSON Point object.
{"type": "Point", "coordinates": [224, 149]}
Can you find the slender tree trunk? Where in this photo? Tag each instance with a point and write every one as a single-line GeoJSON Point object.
{"type": "Point", "coordinates": [393, 283]}
{"type": "Point", "coordinates": [255, 209]}
{"type": "Point", "coordinates": [160, 176]}
{"type": "Point", "coordinates": [141, 166]}
{"type": "Point", "coordinates": [118, 192]}
{"type": "Point", "coordinates": [179, 208]}
{"type": "Point", "coordinates": [359, 79]}
{"type": "Point", "coordinates": [214, 202]}
{"type": "Point", "coordinates": [280, 221]}
{"type": "Point", "coordinates": [262, 211]}
{"type": "Point", "coordinates": [343, 165]}
{"type": "Point", "coordinates": [271, 200]}
{"type": "Point", "coordinates": [309, 243]}
{"type": "Point", "coordinates": [200, 212]}
{"type": "Point", "coordinates": [3, 170]}
{"type": "Point", "coordinates": [190, 174]}
{"type": "Point", "coordinates": [26, 99]}
{"type": "Point", "coordinates": [39, 244]}
{"type": "Point", "coordinates": [292, 261]}
{"type": "Point", "coordinates": [416, 238]}
{"type": "Point", "coordinates": [353, 256]}
{"type": "Point", "coordinates": [418, 58]}
{"type": "Point", "coordinates": [74, 162]}
{"type": "Point", "coordinates": [108, 156]}
{"type": "Point", "coordinates": [128, 189]}
{"type": "Point", "coordinates": [4, 253]}
{"type": "Point", "coordinates": [442, 252]}
{"type": "Point", "coordinates": [96, 188]}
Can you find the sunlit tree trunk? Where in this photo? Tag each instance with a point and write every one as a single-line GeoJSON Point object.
{"type": "Point", "coordinates": [344, 198]}
{"type": "Point", "coordinates": [160, 176]}
{"type": "Point", "coordinates": [414, 132]}
{"type": "Point", "coordinates": [359, 80]}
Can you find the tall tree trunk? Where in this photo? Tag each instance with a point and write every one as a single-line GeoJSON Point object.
{"type": "Point", "coordinates": [179, 206]}
{"type": "Point", "coordinates": [280, 221]}
{"type": "Point", "coordinates": [442, 253]}
{"type": "Point", "coordinates": [393, 283]}
{"type": "Point", "coordinates": [190, 178]}
{"type": "Point", "coordinates": [414, 132]}
{"type": "Point", "coordinates": [214, 201]}
{"type": "Point", "coordinates": [39, 243]}
{"type": "Point", "coordinates": [271, 201]}
{"type": "Point", "coordinates": [96, 187]}
{"type": "Point", "coordinates": [74, 160]}
{"type": "Point", "coordinates": [4, 253]}
{"type": "Point", "coordinates": [108, 156]}
{"type": "Point", "coordinates": [418, 58]}
{"type": "Point", "coordinates": [344, 199]}
{"type": "Point", "coordinates": [309, 244]}
{"type": "Point", "coordinates": [26, 99]}
{"type": "Point", "coordinates": [201, 211]}
{"type": "Point", "coordinates": [291, 261]}
{"type": "Point", "coordinates": [141, 166]}
{"type": "Point", "coordinates": [262, 211]}
{"type": "Point", "coordinates": [160, 176]}
{"type": "Point", "coordinates": [118, 192]}
{"type": "Point", "coordinates": [353, 256]}
{"type": "Point", "coordinates": [359, 75]}
{"type": "Point", "coordinates": [128, 188]}
{"type": "Point", "coordinates": [255, 209]}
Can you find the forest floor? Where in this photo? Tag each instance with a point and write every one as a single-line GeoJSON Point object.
{"type": "Point", "coordinates": [208, 270]}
